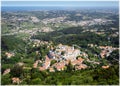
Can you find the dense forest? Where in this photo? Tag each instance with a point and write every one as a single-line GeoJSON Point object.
{"type": "Point", "coordinates": [97, 76]}
{"type": "Point", "coordinates": [12, 43]}
{"type": "Point", "coordinates": [75, 35]}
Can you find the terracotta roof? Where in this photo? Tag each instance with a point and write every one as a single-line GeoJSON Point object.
{"type": "Point", "coordinates": [81, 66]}
{"type": "Point", "coordinates": [16, 80]}
{"type": "Point", "coordinates": [51, 69]}
{"type": "Point", "coordinates": [9, 54]}
{"type": "Point", "coordinates": [77, 62]}
{"type": "Point", "coordinates": [6, 71]}
{"type": "Point", "coordinates": [105, 67]}
{"type": "Point", "coordinates": [46, 64]}
{"type": "Point", "coordinates": [80, 59]}
{"type": "Point", "coordinates": [42, 68]}
{"type": "Point", "coordinates": [59, 66]}
{"type": "Point", "coordinates": [47, 58]}
{"type": "Point", "coordinates": [35, 64]}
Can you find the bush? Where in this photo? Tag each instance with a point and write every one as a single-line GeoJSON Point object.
{"type": "Point", "coordinates": [16, 71]}
{"type": "Point", "coordinates": [53, 62]}
{"type": "Point", "coordinates": [36, 81]}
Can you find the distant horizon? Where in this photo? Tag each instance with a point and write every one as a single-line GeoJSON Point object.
{"type": "Point", "coordinates": [41, 8]}
{"type": "Point", "coordinates": [62, 3]}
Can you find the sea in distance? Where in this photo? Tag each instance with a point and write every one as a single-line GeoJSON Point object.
{"type": "Point", "coordinates": [40, 8]}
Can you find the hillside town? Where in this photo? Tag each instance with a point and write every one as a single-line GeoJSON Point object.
{"type": "Point", "coordinates": [63, 55]}
{"type": "Point", "coordinates": [60, 47]}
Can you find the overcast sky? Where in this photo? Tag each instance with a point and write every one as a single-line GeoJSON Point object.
{"type": "Point", "coordinates": [62, 3]}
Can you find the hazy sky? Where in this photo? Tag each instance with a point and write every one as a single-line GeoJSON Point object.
{"type": "Point", "coordinates": [62, 3]}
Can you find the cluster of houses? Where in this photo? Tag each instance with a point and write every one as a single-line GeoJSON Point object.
{"type": "Point", "coordinates": [66, 52]}
{"type": "Point", "coordinates": [46, 29]}
{"type": "Point", "coordinates": [93, 22]}
{"type": "Point", "coordinates": [9, 54]}
{"type": "Point", "coordinates": [106, 50]}
{"type": "Point", "coordinates": [34, 19]}
{"type": "Point", "coordinates": [78, 23]}
{"type": "Point", "coordinates": [62, 54]}
{"type": "Point", "coordinates": [53, 20]}
{"type": "Point", "coordinates": [37, 42]}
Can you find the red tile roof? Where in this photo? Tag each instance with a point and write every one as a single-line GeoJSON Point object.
{"type": "Point", "coordinates": [16, 80]}
{"type": "Point", "coordinates": [105, 67]}
{"type": "Point", "coordinates": [81, 66]}
{"type": "Point", "coordinates": [6, 71]}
